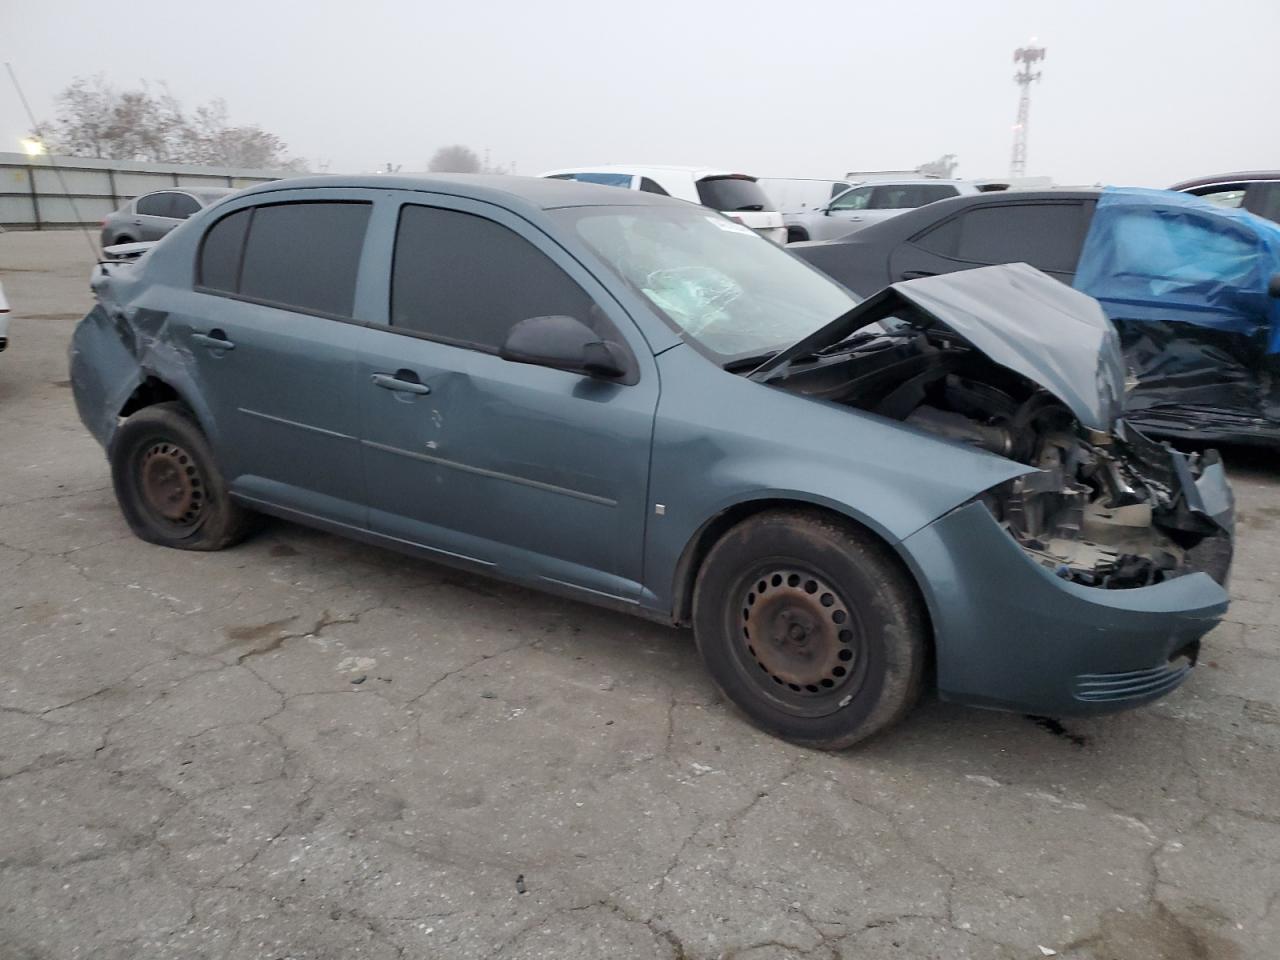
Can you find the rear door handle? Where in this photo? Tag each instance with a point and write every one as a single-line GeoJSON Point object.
{"type": "Point", "coordinates": [400, 382]}
{"type": "Point", "coordinates": [214, 340]}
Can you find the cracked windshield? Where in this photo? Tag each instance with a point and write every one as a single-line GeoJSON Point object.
{"type": "Point", "coordinates": [732, 292]}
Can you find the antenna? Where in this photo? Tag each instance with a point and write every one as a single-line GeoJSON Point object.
{"type": "Point", "coordinates": [35, 128]}
{"type": "Point", "coordinates": [1025, 56]}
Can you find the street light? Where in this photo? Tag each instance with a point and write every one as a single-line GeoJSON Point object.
{"type": "Point", "coordinates": [32, 146]}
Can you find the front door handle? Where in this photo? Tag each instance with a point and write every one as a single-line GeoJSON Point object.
{"type": "Point", "coordinates": [400, 382]}
{"type": "Point", "coordinates": [214, 340]}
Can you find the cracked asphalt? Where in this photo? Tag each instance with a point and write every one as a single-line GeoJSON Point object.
{"type": "Point", "coordinates": [308, 748]}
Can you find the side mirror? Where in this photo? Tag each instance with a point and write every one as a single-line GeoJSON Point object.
{"type": "Point", "coordinates": [1273, 287]}
{"type": "Point", "coordinates": [564, 343]}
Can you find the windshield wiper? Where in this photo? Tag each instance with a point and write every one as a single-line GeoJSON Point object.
{"type": "Point", "coordinates": [750, 363]}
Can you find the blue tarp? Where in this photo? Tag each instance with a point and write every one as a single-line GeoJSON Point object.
{"type": "Point", "coordinates": [1158, 255]}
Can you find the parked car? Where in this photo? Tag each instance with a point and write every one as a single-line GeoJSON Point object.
{"type": "Point", "coordinates": [737, 195]}
{"type": "Point", "coordinates": [617, 397]}
{"type": "Point", "coordinates": [152, 215]}
{"type": "Point", "coordinates": [1185, 282]}
{"type": "Point", "coordinates": [1257, 191]}
{"type": "Point", "coordinates": [867, 203]}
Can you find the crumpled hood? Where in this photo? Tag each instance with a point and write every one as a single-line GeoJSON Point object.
{"type": "Point", "coordinates": [1017, 316]}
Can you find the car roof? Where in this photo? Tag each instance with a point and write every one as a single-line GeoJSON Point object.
{"type": "Point", "coordinates": [1241, 175]}
{"type": "Point", "coordinates": [532, 191]}
{"type": "Point", "coordinates": [917, 219]}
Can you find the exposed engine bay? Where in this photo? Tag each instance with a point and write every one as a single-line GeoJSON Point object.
{"type": "Point", "coordinates": [1102, 509]}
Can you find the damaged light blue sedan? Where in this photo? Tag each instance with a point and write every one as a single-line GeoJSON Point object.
{"type": "Point", "coordinates": [637, 402]}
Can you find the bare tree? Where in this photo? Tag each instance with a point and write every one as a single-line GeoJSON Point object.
{"type": "Point", "coordinates": [454, 159]}
{"type": "Point", "coordinates": [97, 120]}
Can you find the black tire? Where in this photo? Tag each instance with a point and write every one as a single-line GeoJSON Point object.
{"type": "Point", "coordinates": [119, 240]}
{"type": "Point", "coordinates": [811, 627]}
{"type": "Point", "coordinates": [168, 485]}
{"type": "Point", "coordinates": [797, 234]}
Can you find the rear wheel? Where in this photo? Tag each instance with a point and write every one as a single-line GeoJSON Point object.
{"type": "Point", "coordinates": [168, 485]}
{"type": "Point", "coordinates": [811, 627]}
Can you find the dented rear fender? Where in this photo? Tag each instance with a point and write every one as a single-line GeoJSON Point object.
{"type": "Point", "coordinates": [111, 357]}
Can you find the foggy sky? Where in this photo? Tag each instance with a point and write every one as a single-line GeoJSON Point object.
{"type": "Point", "coordinates": [1133, 92]}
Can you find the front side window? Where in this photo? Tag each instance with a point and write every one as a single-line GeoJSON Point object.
{"type": "Point", "coordinates": [298, 256]}
{"type": "Point", "coordinates": [155, 205]}
{"type": "Point", "coordinates": [852, 199]}
{"type": "Point", "coordinates": [467, 280]}
{"type": "Point", "coordinates": [717, 283]}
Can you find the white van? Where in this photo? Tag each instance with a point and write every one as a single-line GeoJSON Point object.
{"type": "Point", "coordinates": [736, 195]}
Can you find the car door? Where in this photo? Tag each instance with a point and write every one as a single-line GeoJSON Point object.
{"type": "Point", "coordinates": [537, 472]}
{"type": "Point", "coordinates": [1047, 234]}
{"type": "Point", "coordinates": [842, 216]}
{"type": "Point", "coordinates": [269, 334]}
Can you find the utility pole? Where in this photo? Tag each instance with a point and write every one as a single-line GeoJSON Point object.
{"type": "Point", "coordinates": [1026, 57]}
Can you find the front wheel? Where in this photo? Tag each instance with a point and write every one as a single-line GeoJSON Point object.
{"type": "Point", "coordinates": [168, 486]}
{"type": "Point", "coordinates": [811, 627]}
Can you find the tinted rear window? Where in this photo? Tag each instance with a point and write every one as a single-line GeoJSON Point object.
{"type": "Point", "coordinates": [305, 255]}
{"type": "Point", "coordinates": [155, 205]}
{"type": "Point", "coordinates": [732, 193]}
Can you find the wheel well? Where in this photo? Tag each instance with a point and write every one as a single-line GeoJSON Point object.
{"type": "Point", "coordinates": [697, 549]}
{"type": "Point", "coordinates": [797, 234]}
{"type": "Point", "coordinates": [148, 393]}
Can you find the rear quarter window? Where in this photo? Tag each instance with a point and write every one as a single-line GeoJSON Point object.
{"type": "Point", "coordinates": [220, 253]}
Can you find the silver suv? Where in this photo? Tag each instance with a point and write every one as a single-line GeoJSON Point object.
{"type": "Point", "coordinates": [868, 203]}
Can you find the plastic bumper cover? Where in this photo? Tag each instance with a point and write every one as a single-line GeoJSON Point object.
{"type": "Point", "coordinates": [1010, 635]}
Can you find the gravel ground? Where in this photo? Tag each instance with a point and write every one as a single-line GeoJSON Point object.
{"type": "Point", "coordinates": [308, 748]}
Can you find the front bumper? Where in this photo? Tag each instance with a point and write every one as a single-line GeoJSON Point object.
{"type": "Point", "coordinates": [1012, 636]}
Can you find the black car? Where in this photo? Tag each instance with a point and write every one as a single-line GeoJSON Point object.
{"type": "Point", "coordinates": [1043, 228]}
{"type": "Point", "coordinates": [1188, 381]}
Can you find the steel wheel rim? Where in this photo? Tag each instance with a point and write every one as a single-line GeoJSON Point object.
{"type": "Point", "coordinates": [798, 640]}
{"type": "Point", "coordinates": [172, 485]}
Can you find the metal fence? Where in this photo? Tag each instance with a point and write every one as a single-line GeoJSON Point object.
{"type": "Point", "coordinates": [32, 196]}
